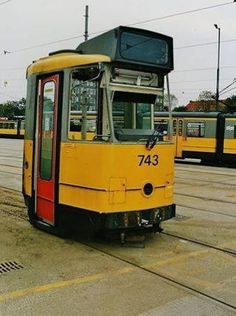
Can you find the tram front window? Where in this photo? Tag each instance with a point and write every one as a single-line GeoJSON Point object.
{"type": "Point", "coordinates": [132, 115]}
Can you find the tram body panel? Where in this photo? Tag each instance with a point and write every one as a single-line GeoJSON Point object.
{"type": "Point", "coordinates": [9, 129]}
{"type": "Point", "coordinates": [28, 167]}
{"type": "Point", "coordinates": [207, 145]}
{"type": "Point", "coordinates": [66, 60]}
{"type": "Point", "coordinates": [199, 135]}
{"type": "Point", "coordinates": [230, 136]}
{"type": "Point", "coordinates": [115, 176]}
{"type": "Point", "coordinates": [104, 165]}
{"type": "Point", "coordinates": [230, 146]}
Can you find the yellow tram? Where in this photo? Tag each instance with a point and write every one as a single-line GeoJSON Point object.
{"type": "Point", "coordinates": [108, 163]}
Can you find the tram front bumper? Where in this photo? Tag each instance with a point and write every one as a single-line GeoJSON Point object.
{"type": "Point", "coordinates": [139, 219]}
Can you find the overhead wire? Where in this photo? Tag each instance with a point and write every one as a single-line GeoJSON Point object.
{"type": "Point", "coordinates": [192, 81]}
{"type": "Point", "coordinates": [234, 81]}
{"type": "Point", "coordinates": [181, 13]}
{"type": "Point", "coordinates": [227, 91]}
{"type": "Point", "coordinates": [203, 69]}
{"type": "Point", "coordinates": [4, 2]}
{"type": "Point", "coordinates": [143, 22]}
{"type": "Point", "coordinates": [132, 24]}
{"type": "Point", "coordinates": [205, 44]}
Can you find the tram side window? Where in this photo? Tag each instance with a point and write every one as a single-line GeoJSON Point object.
{"type": "Point", "coordinates": [234, 131]}
{"type": "Point", "coordinates": [8, 125]}
{"type": "Point", "coordinates": [196, 129]}
{"type": "Point", "coordinates": [83, 108]}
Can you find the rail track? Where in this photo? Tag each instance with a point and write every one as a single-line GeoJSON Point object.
{"type": "Point", "coordinates": [9, 189]}
{"type": "Point", "coordinates": [213, 171]}
{"type": "Point", "coordinates": [171, 280]}
{"type": "Point", "coordinates": [163, 276]}
{"type": "Point", "coordinates": [205, 181]}
{"type": "Point", "coordinates": [16, 208]}
{"type": "Point", "coordinates": [198, 242]}
{"type": "Point", "coordinates": [158, 274]}
{"type": "Point", "coordinates": [204, 210]}
{"type": "Point", "coordinates": [205, 198]}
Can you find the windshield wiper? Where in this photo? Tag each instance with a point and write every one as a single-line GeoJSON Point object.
{"type": "Point", "coordinates": [154, 138]}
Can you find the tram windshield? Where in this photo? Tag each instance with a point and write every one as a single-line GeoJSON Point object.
{"type": "Point", "coordinates": [118, 108]}
{"type": "Point", "coordinates": [136, 96]}
{"type": "Point", "coordinates": [133, 116]}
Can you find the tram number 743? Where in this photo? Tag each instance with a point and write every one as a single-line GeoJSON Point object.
{"type": "Point", "coordinates": [150, 160]}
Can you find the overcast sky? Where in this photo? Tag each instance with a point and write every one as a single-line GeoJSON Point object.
{"type": "Point", "coordinates": [31, 29]}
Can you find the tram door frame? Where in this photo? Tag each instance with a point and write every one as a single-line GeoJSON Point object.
{"type": "Point", "coordinates": [46, 151]}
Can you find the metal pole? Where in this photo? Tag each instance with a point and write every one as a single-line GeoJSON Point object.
{"type": "Point", "coordinates": [218, 69]}
{"type": "Point", "coordinates": [86, 23]}
{"type": "Point", "coordinates": [170, 126]}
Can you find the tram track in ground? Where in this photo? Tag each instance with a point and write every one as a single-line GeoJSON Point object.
{"type": "Point", "coordinates": [205, 198]}
{"type": "Point", "coordinates": [12, 208]}
{"type": "Point", "coordinates": [202, 243]}
{"type": "Point", "coordinates": [231, 252]}
{"type": "Point", "coordinates": [163, 277]}
{"type": "Point", "coordinates": [204, 181]}
{"type": "Point", "coordinates": [197, 162]}
{"type": "Point", "coordinates": [214, 171]}
{"type": "Point", "coordinates": [12, 173]}
{"type": "Point", "coordinates": [204, 210]}
{"type": "Point", "coordinates": [158, 274]}
{"type": "Point", "coordinates": [9, 189]}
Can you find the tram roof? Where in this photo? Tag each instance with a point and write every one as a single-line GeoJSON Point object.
{"type": "Point", "coordinates": [190, 114]}
{"type": "Point", "coordinates": [62, 60]}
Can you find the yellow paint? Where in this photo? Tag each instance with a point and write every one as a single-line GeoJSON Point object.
{"type": "Point", "coordinates": [77, 135]}
{"type": "Point", "coordinates": [64, 60]}
{"type": "Point", "coordinates": [28, 156]}
{"type": "Point", "coordinates": [8, 131]}
{"type": "Point", "coordinates": [60, 284]}
{"type": "Point", "coordinates": [207, 145]}
{"type": "Point", "coordinates": [232, 119]}
{"type": "Point", "coordinates": [230, 146]}
{"type": "Point", "coordinates": [179, 146]}
{"type": "Point", "coordinates": [194, 144]}
{"type": "Point", "coordinates": [108, 178]}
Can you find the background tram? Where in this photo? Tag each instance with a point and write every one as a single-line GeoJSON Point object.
{"type": "Point", "coordinates": [209, 136]}
{"type": "Point", "coordinates": [108, 162]}
{"type": "Point", "coordinates": [12, 128]}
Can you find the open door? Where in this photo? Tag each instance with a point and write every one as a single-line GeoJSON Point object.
{"type": "Point", "coordinates": [46, 140]}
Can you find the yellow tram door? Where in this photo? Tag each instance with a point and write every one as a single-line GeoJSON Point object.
{"type": "Point", "coordinates": [46, 144]}
{"type": "Point", "coordinates": [179, 138]}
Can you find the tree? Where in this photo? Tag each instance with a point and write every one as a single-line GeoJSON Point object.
{"type": "Point", "coordinates": [10, 109]}
{"type": "Point", "coordinates": [206, 101]}
{"type": "Point", "coordinates": [173, 101]}
{"type": "Point", "coordinates": [206, 95]}
{"type": "Point", "coordinates": [231, 104]}
{"type": "Point", "coordinates": [180, 109]}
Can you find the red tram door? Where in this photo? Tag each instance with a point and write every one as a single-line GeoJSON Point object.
{"type": "Point", "coordinates": [46, 148]}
